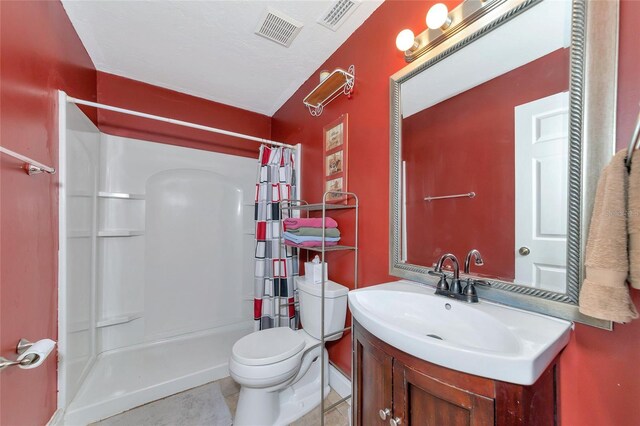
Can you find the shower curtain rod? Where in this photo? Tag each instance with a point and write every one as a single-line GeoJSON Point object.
{"type": "Point", "coordinates": [177, 122]}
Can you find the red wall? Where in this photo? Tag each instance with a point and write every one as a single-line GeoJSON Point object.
{"type": "Point", "coordinates": [40, 54]}
{"type": "Point", "coordinates": [599, 384]}
{"type": "Point", "coordinates": [436, 142]}
{"type": "Point", "coordinates": [131, 94]}
{"type": "Point", "coordinates": [371, 48]}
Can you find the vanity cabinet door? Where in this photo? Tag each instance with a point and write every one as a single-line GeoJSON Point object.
{"type": "Point", "coordinates": [423, 400]}
{"type": "Point", "coordinates": [373, 375]}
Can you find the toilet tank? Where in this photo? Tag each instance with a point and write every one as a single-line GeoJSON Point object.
{"type": "Point", "coordinates": [335, 307]}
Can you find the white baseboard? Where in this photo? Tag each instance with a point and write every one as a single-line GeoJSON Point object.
{"type": "Point", "coordinates": [56, 419]}
{"type": "Point", "coordinates": [339, 382]}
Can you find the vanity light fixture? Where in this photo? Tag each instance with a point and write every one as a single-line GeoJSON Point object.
{"type": "Point", "coordinates": [406, 41]}
{"type": "Point", "coordinates": [442, 24]}
{"type": "Point", "coordinates": [438, 17]}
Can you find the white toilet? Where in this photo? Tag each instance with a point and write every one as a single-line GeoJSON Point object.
{"type": "Point", "coordinates": [279, 369]}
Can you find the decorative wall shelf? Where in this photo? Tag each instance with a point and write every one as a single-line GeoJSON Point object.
{"type": "Point", "coordinates": [338, 82]}
{"type": "Point", "coordinates": [121, 195]}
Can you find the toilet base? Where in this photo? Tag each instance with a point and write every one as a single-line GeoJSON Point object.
{"type": "Point", "coordinates": [258, 407]}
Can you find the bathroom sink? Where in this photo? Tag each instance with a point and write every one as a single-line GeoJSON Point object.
{"type": "Point", "coordinates": [485, 339]}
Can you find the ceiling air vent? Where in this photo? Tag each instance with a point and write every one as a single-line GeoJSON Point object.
{"type": "Point", "coordinates": [338, 13]}
{"type": "Point", "coordinates": [278, 27]}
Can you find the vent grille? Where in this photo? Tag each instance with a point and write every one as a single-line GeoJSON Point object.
{"type": "Point", "coordinates": [338, 13]}
{"type": "Point", "coordinates": [278, 27]}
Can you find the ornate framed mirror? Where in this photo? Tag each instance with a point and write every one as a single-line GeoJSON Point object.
{"type": "Point", "coordinates": [499, 128]}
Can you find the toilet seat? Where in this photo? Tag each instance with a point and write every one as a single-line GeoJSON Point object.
{"type": "Point", "coordinates": [268, 358]}
{"type": "Point", "coordinates": [267, 346]}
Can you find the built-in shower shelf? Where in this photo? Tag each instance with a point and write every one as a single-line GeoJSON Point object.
{"type": "Point", "coordinates": [121, 195]}
{"type": "Point", "coordinates": [78, 234]}
{"type": "Point", "coordinates": [78, 326]}
{"type": "Point", "coordinates": [120, 319]}
{"type": "Point", "coordinates": [80, 194]}
{"type": "Point", "coordinates": [120, 233]}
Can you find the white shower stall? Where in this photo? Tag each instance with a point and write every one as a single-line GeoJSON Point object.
{"type": "Point", "coordinates": [156, 267]}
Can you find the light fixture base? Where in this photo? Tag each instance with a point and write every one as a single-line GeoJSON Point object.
{"type": "Point", "coordinates": [461, 17]}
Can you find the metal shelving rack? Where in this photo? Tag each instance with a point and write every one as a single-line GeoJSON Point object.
{"type": "Point", "coordinates": [350, 202]}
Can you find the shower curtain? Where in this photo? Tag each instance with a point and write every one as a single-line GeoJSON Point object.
{"type": "Point", "coordinates": [276, 264]}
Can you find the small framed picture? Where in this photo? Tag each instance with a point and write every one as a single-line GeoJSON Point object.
{"type": "Point", "coordinates": [334, 163]}
{"type": "Point", "coordinates": [336, 184]}
{"type": "Point", "coordinates": [335, 158]}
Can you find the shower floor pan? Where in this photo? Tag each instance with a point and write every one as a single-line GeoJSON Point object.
{"type": "Point", "coordinates": [126, 378]}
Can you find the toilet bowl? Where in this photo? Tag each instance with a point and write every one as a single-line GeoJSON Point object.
{"type": "Point", "coordinates": [278, 369]}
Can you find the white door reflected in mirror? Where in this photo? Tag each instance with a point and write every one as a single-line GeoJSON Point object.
{"type": "Point", "coordinates": [541, 154]}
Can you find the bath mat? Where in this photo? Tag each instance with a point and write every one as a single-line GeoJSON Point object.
{"type": "Point", "coordinates": [201, 406]}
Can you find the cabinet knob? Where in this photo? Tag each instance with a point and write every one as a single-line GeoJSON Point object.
{"type": "Point", "coordinates": [524, 251]}
{"type": "Point", "coordinates": [384, 413]}
{"type": "Point", "coordinates": [395, 422]}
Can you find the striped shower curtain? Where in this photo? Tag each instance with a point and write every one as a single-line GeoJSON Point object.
{"type": "Point", "coordinates": [276, 264]}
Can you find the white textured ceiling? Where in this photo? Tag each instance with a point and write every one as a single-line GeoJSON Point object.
{"type": "Point", "coordinates": [208, 48]}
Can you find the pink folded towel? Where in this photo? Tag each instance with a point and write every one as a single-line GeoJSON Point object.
{"type": "Point", "coordinates": [311, 222]}
{"type": "Point", "coordinates": [310, 243]}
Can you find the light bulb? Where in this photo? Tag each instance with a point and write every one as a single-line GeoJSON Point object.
{"type": "Point", "coordinates": [438, 17]}
{"type": "Point", "coordinates": [405, 40]}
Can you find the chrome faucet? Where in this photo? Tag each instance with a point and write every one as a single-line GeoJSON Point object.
{"type": "Point", "coordinates": [467, 261]}
{"type": "Point", "coordinates": [455, 290]}
{"type": "Point", "coordinates": [442, 287]}
{"type": "Point", "coordinates": [469, 291]}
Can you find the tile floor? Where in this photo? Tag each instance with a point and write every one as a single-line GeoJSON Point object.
{"type": "Point", "coordinates": [203, 406]}
{"type": "Point", "coordinates": [338, 416]}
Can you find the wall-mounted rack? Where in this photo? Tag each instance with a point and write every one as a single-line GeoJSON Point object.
{"type": "Point", "coordinates": [32, 167]}
{"type": "Point", "coordinates": [337, 83]}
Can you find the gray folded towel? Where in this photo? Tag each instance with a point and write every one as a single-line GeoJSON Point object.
{"type": "Point", "coordinates": [604, 293]}
{"type": "Point", "coordinates": [306, 231]}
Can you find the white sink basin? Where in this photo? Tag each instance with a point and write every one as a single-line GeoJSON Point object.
{"type": "Point", "coordinates": [485, 339]}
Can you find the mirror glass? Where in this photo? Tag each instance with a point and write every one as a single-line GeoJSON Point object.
{"type": "Point", "coordinates": [484, 152]}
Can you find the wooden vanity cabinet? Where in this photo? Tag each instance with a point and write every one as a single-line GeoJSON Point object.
{"type": "Point", "coordinates": [416, 392]}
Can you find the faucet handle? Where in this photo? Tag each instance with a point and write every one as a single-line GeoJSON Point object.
{"type": "Point", "coordinates": [482, 283]}
{"type": "Point", "coordinates": [442, 284]}
{"type": "Point", "coordinates": [470, 291]}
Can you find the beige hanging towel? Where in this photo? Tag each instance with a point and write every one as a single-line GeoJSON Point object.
{"type": "Point", "coordinates": [604, 293]}
{"type": "Point", "coordinates": [633, 223]}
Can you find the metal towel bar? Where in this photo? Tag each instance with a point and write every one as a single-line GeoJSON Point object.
{"type": "Point", "coordinates": [32, 167]}
{"type": "Point", "coordinates": [633, 144]}
{"type": "Point", "coordinates": [442, 197]}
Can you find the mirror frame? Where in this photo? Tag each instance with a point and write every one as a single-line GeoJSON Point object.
{"type": "Point", "coordinates": [592, 136]}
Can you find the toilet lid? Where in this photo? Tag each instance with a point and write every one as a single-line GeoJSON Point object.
{"type": "Point", "coordinates": [267, 346]}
